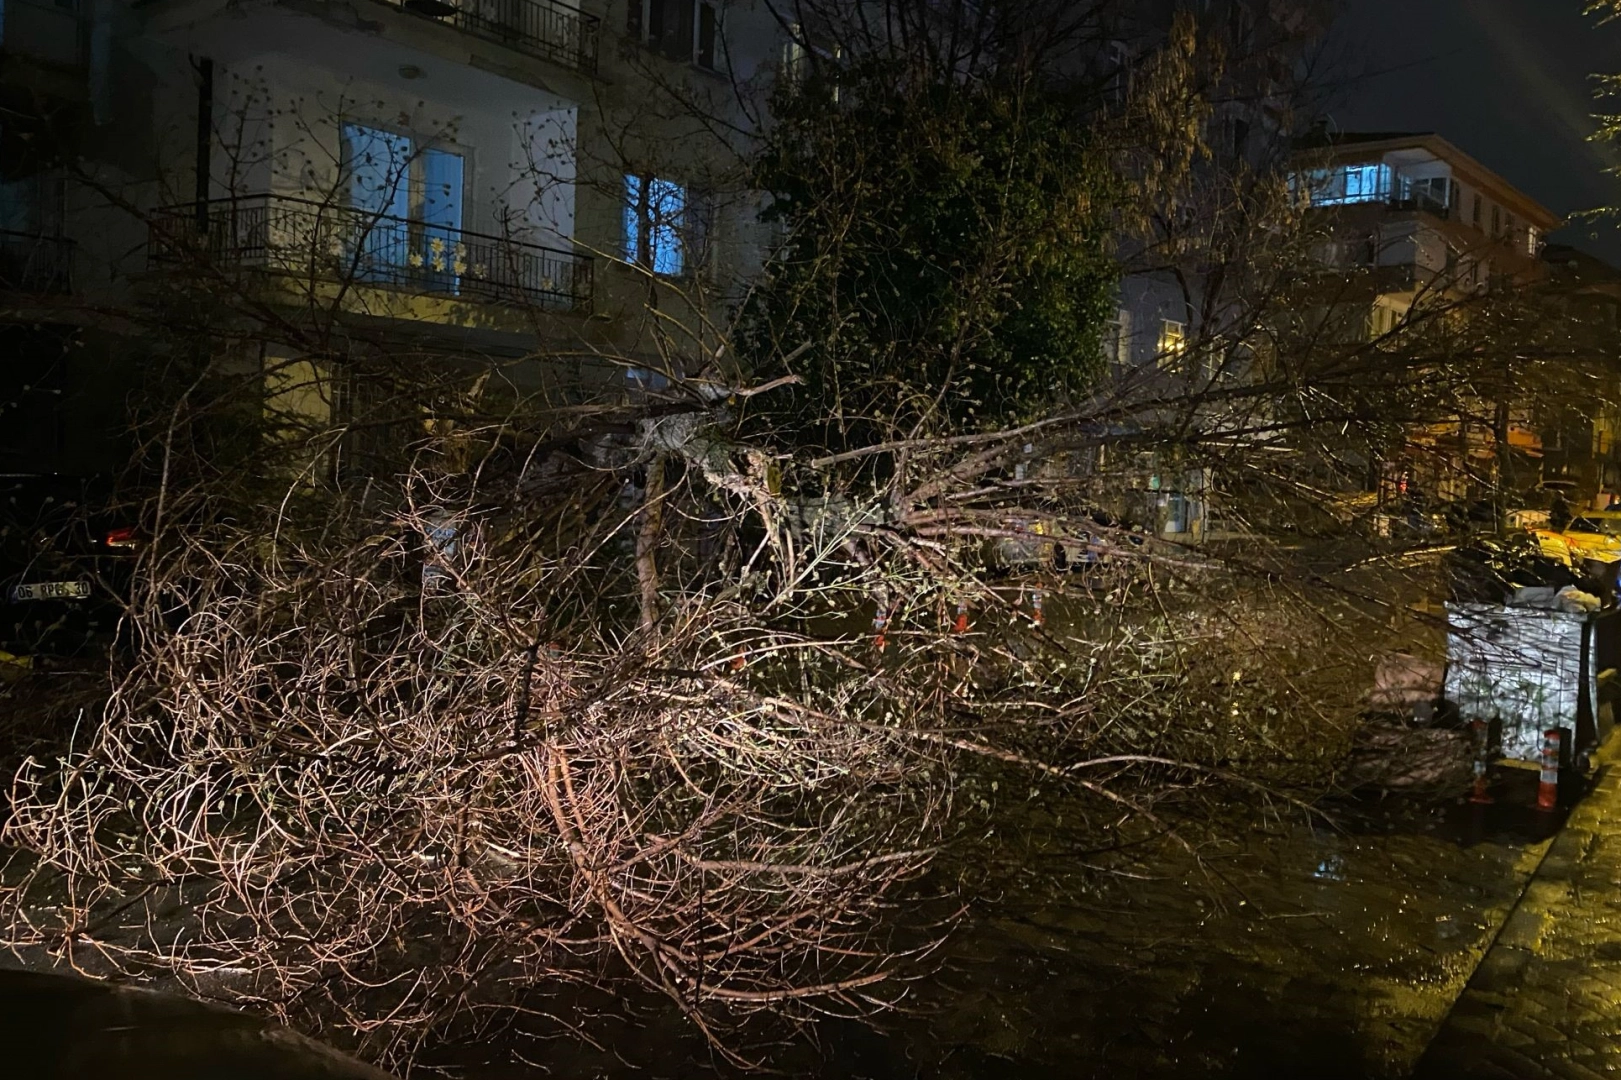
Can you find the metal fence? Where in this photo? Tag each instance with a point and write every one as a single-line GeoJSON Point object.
{"type": "Point", "coordinates": [555, 31]}
{"type": "Point", "coordinates": [338, 243]}
{"type": "Point", "coordinates": [34, 263]}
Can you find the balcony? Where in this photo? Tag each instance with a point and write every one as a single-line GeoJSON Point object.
{"type": "Point", "coordinates": [544, 28]}
{"type": "Point", "coordinates": [1424, 204]}
{"type": "Point", "coordinates": [31, 263]}
{"type": "Point", "coordinates": [321, 242]}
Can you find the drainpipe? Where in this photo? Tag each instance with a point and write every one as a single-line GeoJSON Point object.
{"type": "Point", "coordinates": [205, 134]}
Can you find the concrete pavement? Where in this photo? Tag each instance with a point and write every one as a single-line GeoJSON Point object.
{"type": "Point", "coordinates": [1546, 998]}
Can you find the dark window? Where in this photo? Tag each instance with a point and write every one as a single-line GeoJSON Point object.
{"type": "Point", "coordinates": [1117, 88]}
{"type": "Point", "coordinates": [706, 36]}
{"type": "Point", "coordinates": [1241, 137]}
{"type": "Point", "coordinates": [669, 28]}
{"type": "Point", "coordinates": [684, 30]}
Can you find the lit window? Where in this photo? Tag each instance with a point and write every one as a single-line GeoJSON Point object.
{"type": "Point", "coordinates": [409, 200]}
{"type": "Point", "coordinates": [1173, 339]}
{"type": "Point", "coordinates": [655, 217]}
{"type": "Point", "coordinates": [1366, 183]}
{"type": "Point", "coordinates": [1343, 185]}
{"type": "Point", "coordinates": [1383, 321]}
{"type": "Point", "coordinates": [1533, 240]}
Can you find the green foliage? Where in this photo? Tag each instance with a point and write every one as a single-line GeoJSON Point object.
{"type": "Point", "coordinates": [946, 257]}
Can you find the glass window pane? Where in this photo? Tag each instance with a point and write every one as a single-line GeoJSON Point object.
{"type": "Point", "coordinates": [443, 256]}
{"type": "Point", "coordinates": [378, 164]}
{"type": "Point", "coordinates": [667, 206]}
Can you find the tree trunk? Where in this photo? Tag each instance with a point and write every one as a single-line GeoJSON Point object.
{"type": "Point", "coordinates": [647, 541]}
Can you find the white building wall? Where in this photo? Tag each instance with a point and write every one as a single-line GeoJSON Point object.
{"type": "Point", "coordinates": [279, 123]}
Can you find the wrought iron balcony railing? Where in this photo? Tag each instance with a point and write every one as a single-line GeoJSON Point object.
{"type": "Point", "coordinates": [545, 28]}
{"type": "Point", "coordinates": [324, 242]}
{"type": "Point", "coordinates": [32, 263]}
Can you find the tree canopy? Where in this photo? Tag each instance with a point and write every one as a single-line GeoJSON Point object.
{"type": "Point", "coordinates": [945, 256]}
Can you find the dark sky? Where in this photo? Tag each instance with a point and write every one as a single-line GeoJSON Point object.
{"type": "Point", "coordinates": [1507, 81]}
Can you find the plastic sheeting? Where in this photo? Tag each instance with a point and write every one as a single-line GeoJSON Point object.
{"type": "Point", "coordinates": [1520, 666]}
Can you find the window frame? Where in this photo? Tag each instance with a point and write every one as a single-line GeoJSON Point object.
{"type": "Point", "coordinates": [1117, 85]}
{"type": "Point", "coordinates": [690, 229]}
{"type": "Point", "coordinates": [705, 56]}
{"type": "Point", "coordinates": [416, 182]}
{"type": "Point", "coordinates": [1373, 182]}
{"type": "Point", "coordinates": [412, 253]}
{"type": "Point", "coordinates": [1172, 345]}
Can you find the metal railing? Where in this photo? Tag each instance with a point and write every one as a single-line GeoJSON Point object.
{"type": "Point", "coordinates": [544, 28]}
{"type": "Point", "coordinates": [35, 264]}
{"type": "Point", "coordinates": [1426, 203]}
{"type": "Point", "coordinates": [327, 242]}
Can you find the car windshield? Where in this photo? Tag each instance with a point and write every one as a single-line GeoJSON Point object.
{"type": "Point", "coordinates": [1588, 525]}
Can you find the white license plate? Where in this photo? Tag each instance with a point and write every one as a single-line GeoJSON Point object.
{"type": "Point", "coordinates": [52, 590]}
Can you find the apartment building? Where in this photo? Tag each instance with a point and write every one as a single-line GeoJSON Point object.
{"type": "Point", "coordinates": [1169, 337]}
{"type": "Point", "coordinates": [52, 353]}
{"type": "Point", "coordinates": [513, 180]}
{"type": "Point", "coordinates": [1581, 442]}
{"type": "Point", "coordinates": [1425, 217]}
{"type": "Point", "coordinates": [1409, 219]}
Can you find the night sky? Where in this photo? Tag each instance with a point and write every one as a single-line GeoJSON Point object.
{"type": "Point", "coordinates": [1507, 81]}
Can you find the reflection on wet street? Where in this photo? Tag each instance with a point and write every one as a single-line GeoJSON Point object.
{"type": "Point", "coordinates": [1304, 949]}
{"type": "Point", "coordinates": [1307, 953]}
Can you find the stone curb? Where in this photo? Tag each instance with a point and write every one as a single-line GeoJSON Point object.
{"type": "Point", "coordinates": [1475, 1017]}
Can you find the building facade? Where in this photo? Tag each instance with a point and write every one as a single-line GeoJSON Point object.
{"type": "Point", "coordinates": [1412, 223]}
{"type": "Point", "coordinates": [516, 183]}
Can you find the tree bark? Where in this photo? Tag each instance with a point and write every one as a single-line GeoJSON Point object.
{"type": "Point", "coordinates": [647, 541]}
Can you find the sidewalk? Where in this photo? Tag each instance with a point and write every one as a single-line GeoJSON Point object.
{"type": "Point", "coordinates": [1546, 999]}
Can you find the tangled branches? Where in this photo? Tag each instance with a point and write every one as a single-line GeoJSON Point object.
{"type": "Point", "coordinates": [404, 753]}
{"type": "Point", "coordinates": [386, 759]}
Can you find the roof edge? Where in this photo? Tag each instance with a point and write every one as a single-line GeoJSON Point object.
{"type": "Point", "coordinates": [1351, 146]}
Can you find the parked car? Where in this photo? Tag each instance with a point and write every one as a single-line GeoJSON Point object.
{"type": "Point", "coordinates": [1595, 535]}
{"type": "Point", "coordinates": [1066, 546]}
{"type": "Point", "coordinates": [1490, 569]}
{"type": "Point", "coordinates": [66, 563]}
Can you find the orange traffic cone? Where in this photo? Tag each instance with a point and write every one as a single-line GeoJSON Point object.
{"type": "Point", "coordinates": [1548, 785]}
{"type": "Point", "coordinates": [1480, 794]}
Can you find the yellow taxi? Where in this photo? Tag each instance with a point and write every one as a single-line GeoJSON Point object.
{"type": "Point", "coordinates": [1553, 545]}
{"type": "Point", "coordinates": [1595, 535]}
